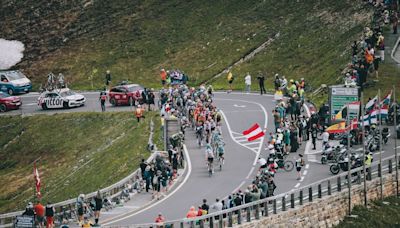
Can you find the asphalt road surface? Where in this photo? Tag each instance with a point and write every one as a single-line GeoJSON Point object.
{"type": "Point", "coordinates": [240, 112]}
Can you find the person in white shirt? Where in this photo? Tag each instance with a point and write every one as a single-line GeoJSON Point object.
{"type": "Point", "coordinates": [325, 137]}
{"type": "Point", "coordinates": [217, 206]}
{"type": "Point", "coordinates": [262, 162]}
{"type": "Point", "coordinates": [247, 82]}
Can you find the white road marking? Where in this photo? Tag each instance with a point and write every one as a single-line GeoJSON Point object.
{"type": "Point", "coordinates": [242, 140]}
{"type": "Point", "coordinates": [236, 189]}
{"type": "Point", "coordinates": [251, 171]}
{"type": "Point", "coordinates": [250, 143]}
{"type": "Point", "coordinates": [305, 172]}
{"type": "Point", "coordinates": [189, 164]}
{"type": "Point", "coordinates": [30, 104]}
{"type": "Point", "coordinates": [312, 158]}
{"type": "Point", "coordinates": [307, 166]}
{"type": "Point", "coordinates": [301, 179]}
{"type": "Point", "coordinates": [297, 185]}
{"type": "Point", "coordinates": [239, 106]}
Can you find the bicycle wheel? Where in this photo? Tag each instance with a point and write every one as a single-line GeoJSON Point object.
{"type": "Point", "coordinates": [220, 164]}
{"type": "Point", "coordinates": [288, 166]}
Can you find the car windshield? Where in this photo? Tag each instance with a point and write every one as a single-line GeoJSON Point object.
{"type": "Point", "coordinates": [134, 88]}
{"type": "Point", "coordinates": [15, 75]}
{"type": "Point", "coordinates": [3, 95]}
{"type": "Point", "coordinates": [67, 93]}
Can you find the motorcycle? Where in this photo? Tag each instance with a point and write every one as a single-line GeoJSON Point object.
{"type": "Point", "coordinates": [331, 155]}
{"type": "Point", "coordinates": [355, 160]}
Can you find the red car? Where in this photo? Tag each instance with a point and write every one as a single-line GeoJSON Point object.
{"type": "Point", "coordinates": [8, 102]}
{"type": "Point", "coordinates": [125, 94]}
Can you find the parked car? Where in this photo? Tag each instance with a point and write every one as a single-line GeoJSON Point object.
{"type": "Point", "coordinates": [8, 102]}
{"type": "Point", "coordinates": [63, 98]}
{"type": "Point", "coordinates": [125, 94]}
{"type": "Point", "coordinates": [14, 82]}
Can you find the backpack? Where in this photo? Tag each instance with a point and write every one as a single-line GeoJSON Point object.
{"type": "Point", "coordinates": [302, 162]}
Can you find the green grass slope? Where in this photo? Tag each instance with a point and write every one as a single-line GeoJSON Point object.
{"type": "Point", "coordinates": [378, 214]}
{"type": "Point", "coordinates": [136, 39]}
{"type": "Point", "coordinates": [79, 153]}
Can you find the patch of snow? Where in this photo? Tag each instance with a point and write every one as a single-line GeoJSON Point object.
{"type": "Point", "coordinates": [11, 53]}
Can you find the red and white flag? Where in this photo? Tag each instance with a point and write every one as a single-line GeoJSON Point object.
{"type": "Point", "coordinates": [37, 180]}
{"type": "Point", "coordinates": [253, 133]}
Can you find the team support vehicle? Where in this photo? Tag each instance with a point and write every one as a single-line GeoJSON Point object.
{"type": "Point", "coordinates": [14, 82]}
{"type": "Point", "coordinates": [125, 94]}
{"type": "Point", "coordinates": [62, 98]}
{"type": "Point", "coordinates": [8, 102]}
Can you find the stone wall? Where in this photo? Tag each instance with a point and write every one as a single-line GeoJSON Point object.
{"type": "Point", "coordinates": [327, 211]}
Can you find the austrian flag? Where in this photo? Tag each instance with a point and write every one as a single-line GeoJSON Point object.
{"type": "Point", "coordinates": [253, 133]}
{"type": "Point", "coordinates": [37, 180]}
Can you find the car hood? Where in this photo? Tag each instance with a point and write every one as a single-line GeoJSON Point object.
{"type": "Point", "coordinates": [74, 97]}
{"type": "Point", "coordinates": [11, 98]}
{"type": "Point", "coordinates": [21, 81]}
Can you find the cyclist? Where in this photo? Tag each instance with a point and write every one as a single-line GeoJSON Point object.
{"type": "Point", "coordinates": [199, 133]}
{"type": "Point", "coordinates": [210, 158]}
{"type": "Point", "coordinates": [221, 151]}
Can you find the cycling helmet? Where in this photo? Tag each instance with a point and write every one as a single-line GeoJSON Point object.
{"type": "Point", "coordinates": [208, 146]}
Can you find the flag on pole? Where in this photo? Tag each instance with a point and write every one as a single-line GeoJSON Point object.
{"type": "Point", "coordinates": [37, 180]}
{"type": "Point", "coordinates": [254, 132]}
{"type": "Point", "coordinates": [371, 104]}
{"type": "Point", "coordinates": [386, 99]}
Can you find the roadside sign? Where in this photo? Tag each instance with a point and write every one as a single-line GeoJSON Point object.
{"type": "Point", "coordinates": [24, 221]}
{"type": "Point", "coordinates": [339, 96]}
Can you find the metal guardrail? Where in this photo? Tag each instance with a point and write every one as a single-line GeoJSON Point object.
{"type": "Point", "coordinates": [280, 203]}
{"type": "Point", "coordinates": [111, 191]}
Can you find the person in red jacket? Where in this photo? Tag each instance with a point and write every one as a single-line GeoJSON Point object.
{"type": "Point", "coordinates": [192, 213]}
{"type": "Point", "coordinates": [39, 211]}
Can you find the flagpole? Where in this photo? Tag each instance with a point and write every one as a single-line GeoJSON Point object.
{"type": "Point", "coordinates": [348, 156]}
{"type": "Point", "coordinates": [362, 143]}
{"type": "Point", "coordinates": [380, 142]}
{"type": "Point", "coordinates": [395, 141]}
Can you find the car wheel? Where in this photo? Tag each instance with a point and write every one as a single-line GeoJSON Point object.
{"type": "Point", "coordinates": [113, 102]}
{"type": "Point", "coordinates": [44, 106]}
{"type": "Point", "coordinates": [10, 91]}
{"type": "Point", "coordinates": [65, 104]}
{"type": "Point", "coordinates": [3, 108]}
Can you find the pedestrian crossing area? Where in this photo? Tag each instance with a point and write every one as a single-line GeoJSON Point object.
{"type": "Point", "coordinates": [242, 140]}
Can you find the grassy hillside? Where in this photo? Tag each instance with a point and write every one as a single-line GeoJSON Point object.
{"type": "Point", "coordinates": [378, 214]}
{"type": "Point", "coordinates": [134, 39]}
{"type": "Point", "coordinates": [78, 152]}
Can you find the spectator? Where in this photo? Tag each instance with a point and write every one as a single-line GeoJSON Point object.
{"type": "Point", "coordinates": [261, 80]}
{"type": "Point", "coordinates": [108, 77]}
{"type": "Point", "coordinates": [98, 205]}
{"type": "Point", "coordinates": [160, 219]}
{"type": "Point", "coordinates": [163, 76]}
{"type": "Point", "coordinates": [39, 211]}
{"type": "Point", "coordinates": [217, 206]}
{"type": "Point", "coordinates": [49, 215]}
{"type": "Point", "coordinates": [247, 81]}
{"type": "Point", "coordinates": [29, 210]}
{"type": "Point", "coordinates": [299, 164]}
{"type": "Point", "coordinates": [230, 79]}
{"type": "Point", "coordinates": [192, 213]}
{"type": "Point", "coordinates": [205, 206]}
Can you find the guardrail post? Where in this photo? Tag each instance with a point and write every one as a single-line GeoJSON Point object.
{"type": "Point", "coordinates": [201, 223]}
{"type": "Point", "coordinates": [379, 170]}
{"type": "Point", "coordinates": [301, 197]}
{"type": "Point", "coordinates": [211, 219]}
{"type": "Point", "coordinates": [283, 203]}
{"type": "Point", "coordinates": [257, 211]}
{"type": "Point", "coordinates": [239, 216]}
{"type": "Point", "coordinates": [292, 200]}
{"type": "Point", "coordinates": [274, 206]}
{"type": "Point", "coordinates": [266, 208]}
{"type": "Point", "coordinates": [390, 166]}
{"type": "Point", "coordinates": [329, 187]}
{"type": "Point", "coordinates": [248, 215]}
{"type": "Point", "coordinates": [230, 219]}
{"type": "Point", "coordinates": [319, 191]}
{"type": "Point", "coordinates": [339, 184]}
{"type": "Point", "coordinates": [221, 221]}
{"type": "Point", "coordinates": [310, 194]}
